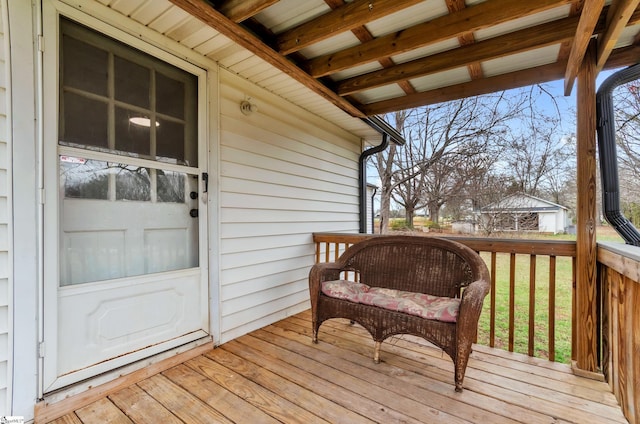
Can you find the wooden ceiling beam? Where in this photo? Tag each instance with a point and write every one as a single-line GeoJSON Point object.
{"type": "Point", "coordinates": [475, 69]}
{"type": "Point", "coordinates": [507, 81]}
{"type": "Point", "coordinates": [530, 38]}
{"type": "Point", "coordinates": [491, 12]}
{"type": "Point", "coordinates": [240, 10]}
{"type": "Point", "coordinates": [618, 16]}
{"type": "Point", "coordinates": [345, 18]}
{"type": "Point", "coordinates": [625, 56]}
{"type": "Point", "coordinates": [363, 34]}
{"type": "Point", "coordinates": [244, 38]}
{"type": "Point", "coordinates": [589, 16]}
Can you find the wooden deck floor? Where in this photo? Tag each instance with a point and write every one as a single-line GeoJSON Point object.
{"type": "Point", "coordinates": [277, 375]}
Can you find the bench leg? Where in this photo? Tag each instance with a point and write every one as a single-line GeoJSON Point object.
{"type": "Point", "coordinates": [376, 353]}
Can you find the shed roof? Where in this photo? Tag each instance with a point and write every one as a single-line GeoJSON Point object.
{"type": "Point", "coordinates": [523, 203]}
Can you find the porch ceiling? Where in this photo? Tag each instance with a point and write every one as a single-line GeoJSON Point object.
{"type": "Point", "coordinates": [369, 57]}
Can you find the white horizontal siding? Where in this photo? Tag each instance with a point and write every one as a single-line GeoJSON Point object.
{"type": "Point", "coordinates": [284, 174]}
{"type": "Point", "coordinates": [5, 217]}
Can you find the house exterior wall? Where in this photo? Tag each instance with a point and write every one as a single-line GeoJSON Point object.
{"type": "Point", "coordinates": [553, 222]}
{"type": "Point", "coordinates": [548, 222]}
{"type": "Point", "coordinates": [275, 177]}
{"type": "Point", "coordinates": [5, 220]}
{"type": "Point", "coordinates": [284, 174]}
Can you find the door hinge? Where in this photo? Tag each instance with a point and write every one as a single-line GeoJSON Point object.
{"type": "Point", "coordinates": [41, 350]}
{"type": "Point", "coordinates": [41, 43]}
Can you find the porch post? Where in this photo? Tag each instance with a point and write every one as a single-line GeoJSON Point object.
{"type": "Point", "coordinates": [586, 324]}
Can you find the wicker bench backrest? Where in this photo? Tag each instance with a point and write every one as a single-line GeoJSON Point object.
{"type": "Point", "coordinates": [420, 264]}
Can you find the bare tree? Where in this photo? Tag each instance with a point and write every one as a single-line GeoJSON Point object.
{"type": "Point", "coordinates": [474, 149]}
{"type": "Point", "coordinates": [384, 162]}
{"type": "Point", "coordinates": [438, 134]}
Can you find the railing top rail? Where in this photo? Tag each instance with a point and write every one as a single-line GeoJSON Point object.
{"type": "Point", "coordinates": [524, 246]}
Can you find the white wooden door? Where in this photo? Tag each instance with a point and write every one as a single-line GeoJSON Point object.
{"type": "Point", "coordinates": [125, 252]}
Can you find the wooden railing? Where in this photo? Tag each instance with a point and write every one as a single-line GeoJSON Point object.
{"type": "Point", "coordinates": [619, 278]}
{"type": "Point", "coordinates": [512, 263]}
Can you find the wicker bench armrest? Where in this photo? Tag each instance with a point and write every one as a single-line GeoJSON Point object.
{"type": "Point", "coordinates": [321, 272]}
{"type": "Point", "coordinates": [471, 307]}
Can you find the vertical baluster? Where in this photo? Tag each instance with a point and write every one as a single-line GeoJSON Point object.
{"type": "Point", "coordinates": [512, 298]}
{"type": "Point", "coordinates": [317, 252]}
{"type": "Point", "coordinates": [327, 250]}
{"type": "Point", "coordinates": [552, 308]}
{"type": "Point", "coordinates": [346, 274]}
{"type": "Point", "coordinates": [573, 308]}
{"type": "Point", "coordinates": [492, 309]}
{"type": "Point", "coordinates": [532, 303]}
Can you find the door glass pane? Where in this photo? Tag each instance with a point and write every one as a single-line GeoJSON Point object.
{"type": "Point", "coordinates": [84, 122]}
{"type": "Point", "coordinates": [132, 136]}
{"type": "Point", "coordinates": [170, 141]}
{"type": "Point", "coordinates": [171, 186]}
{"type": "Point", "coordinates": [119, 220]}
{"type": "Point", "coordinates": [133, 183]}
{"type": "Point", "coordinates": [83, 178]}
{"type": "Point", "coordinates": [84, 66]}
{"type": "Point", "coordinates": [170, 95]}
{"type": "Point", "coordinates": [132, 82]}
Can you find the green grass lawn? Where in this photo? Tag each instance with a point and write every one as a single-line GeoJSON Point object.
{"type": "Point", "coordinates": [541, 317]}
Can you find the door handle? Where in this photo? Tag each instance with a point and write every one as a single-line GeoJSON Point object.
{"type": "Point", "coordinates": [193, 213]}
{"type": "Point", "coordinates": [205, 178]}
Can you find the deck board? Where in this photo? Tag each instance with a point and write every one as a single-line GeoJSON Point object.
{"type": "Point", "coordinates": [277, 375]}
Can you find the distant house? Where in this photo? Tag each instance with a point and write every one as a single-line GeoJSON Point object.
{"type": "Point", "coordinates": [521, 212]}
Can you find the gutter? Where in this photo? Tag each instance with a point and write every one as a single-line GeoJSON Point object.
{"type": "Point", "coordinates": [608, 156]}
{"type": "Point", "coordinates": [387, 132]}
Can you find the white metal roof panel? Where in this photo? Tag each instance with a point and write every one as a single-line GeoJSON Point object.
{"type": "Point", "coordinates": [421, 12]}
{"type": "Point", "coordinates": [287, 14]}
{"type": "Point", "coordinates": [528, 59]}
{"type": "Point", "coordinates": [427, 50]}
{"type": "Point", "coordinates": [380, 93]}
{"type": "Point", "coordinates": [441, 79]}
{"type": "Point", "coordinates": [331, 45]}
{"type": "Point", "coordinates": [524, 22]}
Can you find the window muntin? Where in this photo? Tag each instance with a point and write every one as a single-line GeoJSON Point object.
{"type": "Point", "coordinates": [119, 100]}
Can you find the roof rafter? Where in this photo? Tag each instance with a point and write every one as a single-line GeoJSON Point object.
{"type": "Point", "coordinates": [618, 16]}
{"type": "Point", "coordinates": [591, 11]}
{"type": "Point", "coordinates": [345, 18]}
{"type": "Point", "coordinates": [244, 38]}
{"type": "Point", "coordinates": [363, 34]}
{"type": "Point", "coordinates": [475, 69]}
{"type": "Point", "coordinates": [240, 10]}
{"type": "Point", "coordinates": [491, 12]}
{"type": "Point", "coordinates": [515, 42]}
{"type": "Point", "coordinates": [472, 88]}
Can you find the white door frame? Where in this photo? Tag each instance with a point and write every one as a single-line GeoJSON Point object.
{"type": "Point", "coordinates": [207, 129]}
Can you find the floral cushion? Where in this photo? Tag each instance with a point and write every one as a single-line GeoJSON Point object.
{"type": "Point", "coordinates": [423, 305]}
{"type": "Point", "coordinates": [343, 289]}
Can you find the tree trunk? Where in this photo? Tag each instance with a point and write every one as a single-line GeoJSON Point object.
{"type": "Point", "coordinates": [385, 205]}
{"type": "Point", "coordinates": [408, 216]}
{"type": "Point", "coordinates": [434, 212]}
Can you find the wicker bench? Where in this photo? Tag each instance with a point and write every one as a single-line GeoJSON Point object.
{"type": "Point", "coordinates": [395, 273]}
